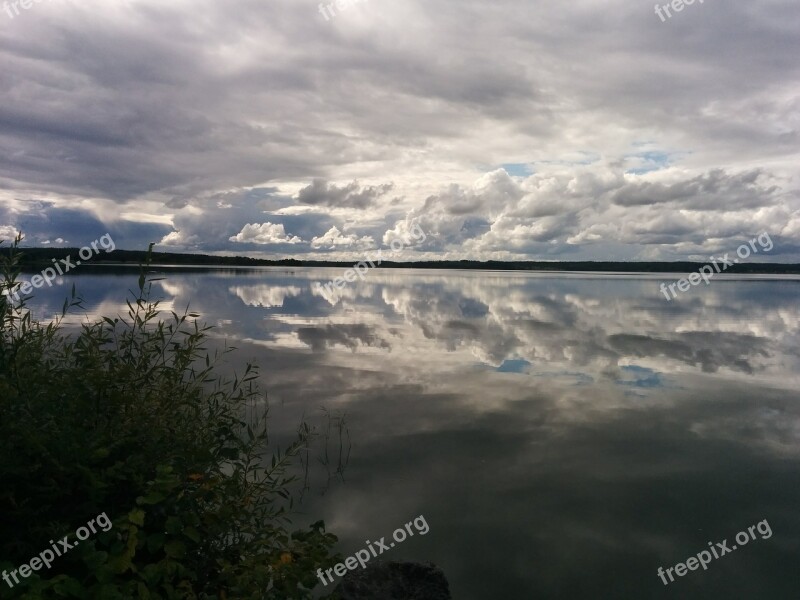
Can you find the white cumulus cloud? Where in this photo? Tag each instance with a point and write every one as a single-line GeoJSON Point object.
{"type": "Point", "coordinates": [264, 233]}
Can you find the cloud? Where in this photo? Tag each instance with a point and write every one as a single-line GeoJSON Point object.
{"type": "Point", "coordinates": [334, 238]}
{"type": "Point", "coordinates": [350, 336]}
{"type": "Point", "coordinates": [715, 190]}
{"type": "Point", "coordinates": [264, 233]}
{"type": "Point", "coordinates": [8, 233]}
{"type": "Point", "coordinates": [265, 296]}
{"type": "Point", "coordinates": [321, 193]}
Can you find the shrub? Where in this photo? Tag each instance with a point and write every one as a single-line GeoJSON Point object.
{"type": "Point", "coordinates": [126, 417]}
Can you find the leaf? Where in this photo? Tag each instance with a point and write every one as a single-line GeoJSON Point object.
{"type": "Point", "coordinates": [173, 525]}
{"type": "Point", "coordinates": [95, 560]}
{"type": "Point", "coordinates": [192, 533]}
{"type": "Point", "coordinates": [152, 498]}
{"type": "Point", "coordinates": [100, 453]}
{"type": "Point", "coordinates": [155, 542]}
{"type": "Point", "coordinates": [69, 587]}
{"type": "Point", "coordinates": [175, 549]}
{"type": "Point", "coordinates": [136, 516]}
{"type": "Point", "coordinates": [120, 564]}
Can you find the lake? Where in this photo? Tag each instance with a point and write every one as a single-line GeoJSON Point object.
{"type": "Point", "coordinates": [563, 435]}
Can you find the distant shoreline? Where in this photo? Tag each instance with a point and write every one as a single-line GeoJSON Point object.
{"type": "Point", "coordinates": [36, 257]}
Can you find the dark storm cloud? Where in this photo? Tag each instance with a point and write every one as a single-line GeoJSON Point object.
{"type": "Point", "coordinates": [353, 195]}
{"type": "Point", "coordinates": [76, 227]}
{"type": "Point", "coordinates": [715, 190]}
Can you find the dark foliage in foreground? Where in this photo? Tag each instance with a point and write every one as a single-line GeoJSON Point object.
{"type": "Point", "coordinates": [126, 417]}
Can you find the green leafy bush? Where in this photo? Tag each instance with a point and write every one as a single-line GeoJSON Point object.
{"type": "Point", "coordinates": [126, 417]}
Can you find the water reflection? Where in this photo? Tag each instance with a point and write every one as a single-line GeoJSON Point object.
{"type": "Point", "coordinates": [564, 435]}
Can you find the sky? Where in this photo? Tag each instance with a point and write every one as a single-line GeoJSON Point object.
{"type": "Point", "coordinates": [510, 129]}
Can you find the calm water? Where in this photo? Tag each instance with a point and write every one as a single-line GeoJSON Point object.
{"type": "Point", "coordinates": [564, 436]}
